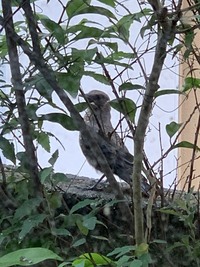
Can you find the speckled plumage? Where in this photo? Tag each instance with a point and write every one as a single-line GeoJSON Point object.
{"type": "Point", "coordinates": [98, 118]}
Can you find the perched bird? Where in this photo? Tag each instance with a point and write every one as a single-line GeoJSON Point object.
{"type": "Point", "coordinates": [98, 119]}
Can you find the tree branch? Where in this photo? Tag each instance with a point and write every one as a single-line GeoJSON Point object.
{"type": "Point", "coordinates": [164, 34]}
{"type": "Point", "coordinates": [20, 99]}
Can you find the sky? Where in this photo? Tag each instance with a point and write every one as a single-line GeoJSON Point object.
{"type": "Point", "coordinates": [71, 160]}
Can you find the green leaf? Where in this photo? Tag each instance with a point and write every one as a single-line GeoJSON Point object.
{"type": "Point", "coordinates": [121, 251]}
{"type": "Point", "coordinates": [79, 242]}
{"type": "Point", "coordinates": [108, 2]}
{"type": "Point", "coordinates": [90, 259]}
{"type": "Point", "coordinates": [43, 140]}
{"type": "Point", "coordinates": [80, 205]}
{"type": "Point", "coordinates": [45, 173]}
{"type": "Point", "coordinates": [111, 45]}
{"type": "Point", "coordinates": [169, 211]}
{"type": "Point", "coordinates": [90, 223]}
{"type": "Point", "coordinates": [98, 77]}
{"type": "Point", "coordinates": [126, 106]}
{"type": "Point", "coordinates": [110, 60]}
{"type": "Point", "coordinates": [86, 54]}
{"type": "Point", "coordinates": [186, 144]}
{"type": "Point", "coordinates": [30, 223]}
{"type": "Point", "coordinates": [22, 157]}
{"type": "Point", "coordinates": [75, 6]}
{"type": "Point", "coordinates": [28, 257]}
{"type": "Point", "coordinates": [189, 37]}
{"type": "Point", "coordinates": [55, 200]}
{"type": "Point", "coordinates": [129, 86]}
{"type": "Point", "coordinates": [123, 25]}
{"type": "Point", "coordinates": [95, 10]}
{"type": "Point", "coordinates": [54, 158]}
{"type": "Point", "coordinates": [54, 28]}
{"type": "Point", "coordinates": [27, 207]}
{"type": "Point", "coordinates": [44, 89]}
{"type": "Point", "coordinates": [124, 260]}
{"type": "Point", "coordinates": [7, 149]}
{"type": "Point", "coordinates": [151, 22]}
{"type": "Point", "coordinates": [172, 128]}
{"type": "Point", "coordinates": [191, 83]}
{"type": "Point", "coordinates": [121, 55]}
{"type": "Point", "coordinates": [59, 177]}
{"type": "Point", "coordinates": [136, 263]}
{"type": "Point", "coordinates": [91, 32]}
{"type": "Point", "coordinates": [81, 106]}
{"type": "Point", "coordinates": [70, 81]}
{"type": "Point", "coordinates": [84, 230]}
{"type": "Point", "coordinates": [60, 232]}
{"type": "Point", "coordinates": [63, 119]}
{"type": "Point", "coordinates": [168, 92]}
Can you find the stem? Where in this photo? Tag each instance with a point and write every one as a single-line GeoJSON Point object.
{"type": "Point", "coordinates": [164, 33]}
{"type": "Point", "coordinates": [20, 99]}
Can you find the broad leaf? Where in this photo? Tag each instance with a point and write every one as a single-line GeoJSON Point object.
{"type": "Point", "coordinates": [108, 2]}
{"type": "Point", "coordinates": [172, 128]}
{"type": "Point", "coordinates": [59, 177]}
{"type": "Point", "coordinates": [90, 222]}
{"type": "Point", "coordinates": [63, 119]}
{"type": "Point", "coordinates": [129, 86]}
{"type": "Point", "coordinates": [7, 149]}
{"type": "Point", "coordinates": [126, 106]}
{"type": "Point", "coordinates": [91, 32]}
{"type": "Point", "coordinates": [90, 259]}
{"type": "Point", "coordinates": [45, 173]}
{"type": "Point", "coordinates": [27, 207]}
{"type": "Point", "coordinates": [191, 83]}
{"type": "Point", "coordinates": [85, 54]}
{"type": "Point", "coordinates": [74, 7]}
{"type": "Point", "coordinates": [81, 205]}
{"type": "Point", "coordinates": [111, 61]}
{"type": "Point", "coordinates": [54, 28]}
{"type": "Point", "coordinates": [30, 223]}
{"type": "Point", "coordinates": [168, 92]}
{"type": "Point", "coordinates": [186, 144]}
{"type": "Point", "coordinates": [136, 263]}
{"type": "Point", "coordinates": [28, 257]}
{"type": "Point", "coordinates": [119, 55]}
{"type": "Point", "coordinates": [43, 140]}
{"type": "Point", "coordinates": [95, 10]}
{"type": "Point", "coordinates": [60, 232]}
{"type": "Point", "coordinates": [70, 81]}
{"type": "Point", "coordinates": [54, 158]}
{"type": "Point", "coordinates": [41, 85]}
{"type": "Point", "coordinates": [81, 106]}
{"type": "Point", "coordinates": [189, 37]}
{"type": "Point", "coordinates": [78, 243]}
{"type": "Point", "coordinates": [118, 252]}
{"type": "Point", "coordinates": [111, 45]}
{"type": "Point", "coordinates": [98, 77]}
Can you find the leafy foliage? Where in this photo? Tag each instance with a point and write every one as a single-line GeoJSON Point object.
{"type": "Point", "coordinates": [94, 41]}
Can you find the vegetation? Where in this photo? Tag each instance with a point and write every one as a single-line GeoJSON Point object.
{"type": "Point", "coordinates": [47, 57]}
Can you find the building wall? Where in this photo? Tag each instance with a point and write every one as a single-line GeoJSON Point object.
{"type": "Point", "coordinates": [187, 113]}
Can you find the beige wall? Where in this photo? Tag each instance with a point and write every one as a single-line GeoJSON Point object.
{"type": "Point", "coordinates": [187, 105]}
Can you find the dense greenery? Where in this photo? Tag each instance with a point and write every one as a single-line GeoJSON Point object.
{"type": "Point", "coordinates": [46, 56]}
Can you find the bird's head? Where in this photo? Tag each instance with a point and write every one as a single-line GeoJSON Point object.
{"type": "Point", "coordinates": [97, 98]}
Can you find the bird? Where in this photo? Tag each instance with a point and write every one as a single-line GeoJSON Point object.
{"type": "Point", "coordinates": [98, 119]}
